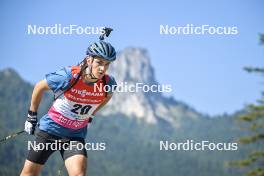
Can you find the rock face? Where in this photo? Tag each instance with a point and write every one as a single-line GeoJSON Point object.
{"type": "Point", "coordinates": [133, 66]}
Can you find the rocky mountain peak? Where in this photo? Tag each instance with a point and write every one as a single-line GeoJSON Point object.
{"type": "Point", "coordinates": [133, 65]}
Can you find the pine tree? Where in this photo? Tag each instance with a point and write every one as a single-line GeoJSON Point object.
{"type": "Point", "coordinates": [254, 120]}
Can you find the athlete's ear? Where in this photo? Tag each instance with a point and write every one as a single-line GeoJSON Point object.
{"type": "Point", "coordinates": [89, 60]}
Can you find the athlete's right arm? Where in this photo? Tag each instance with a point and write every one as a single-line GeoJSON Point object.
{"type": "Point", "coordinates": [37, 94]}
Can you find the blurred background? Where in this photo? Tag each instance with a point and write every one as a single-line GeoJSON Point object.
{"type": "Point", "coordinates": [213, 96]}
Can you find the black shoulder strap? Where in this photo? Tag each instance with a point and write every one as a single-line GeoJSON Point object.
{"type": "Point", "coordinates": [104, 82]}
{"type": "Point", "coordinates": [75, 81]}
{"type": "Point", "coordinates": [69, 86]}
{"type": "Point", "coordinates": [73, 84]}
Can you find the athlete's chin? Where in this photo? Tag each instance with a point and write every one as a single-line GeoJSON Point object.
{"type": "Point", "coordinates": [100, 76]}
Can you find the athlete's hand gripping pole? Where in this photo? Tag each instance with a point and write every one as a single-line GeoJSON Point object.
{"type": "Point", "coordinates": [31, 122]}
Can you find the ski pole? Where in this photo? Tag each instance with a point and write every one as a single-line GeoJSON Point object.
{"type": "Point", "coordinates": [11, 136]}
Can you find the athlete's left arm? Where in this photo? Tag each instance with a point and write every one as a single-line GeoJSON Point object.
{"type": "Point", "coordinates": [109, 96]}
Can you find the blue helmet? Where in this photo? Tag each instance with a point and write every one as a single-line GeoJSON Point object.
{"type": "Point", "coordinates": [102, 49]}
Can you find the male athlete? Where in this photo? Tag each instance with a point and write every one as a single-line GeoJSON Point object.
{"type": "Point", "coordinates": [76, 103]}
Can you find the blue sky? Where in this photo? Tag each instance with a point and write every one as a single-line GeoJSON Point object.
{"type": "Point", "coordinates": [204, 70]}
